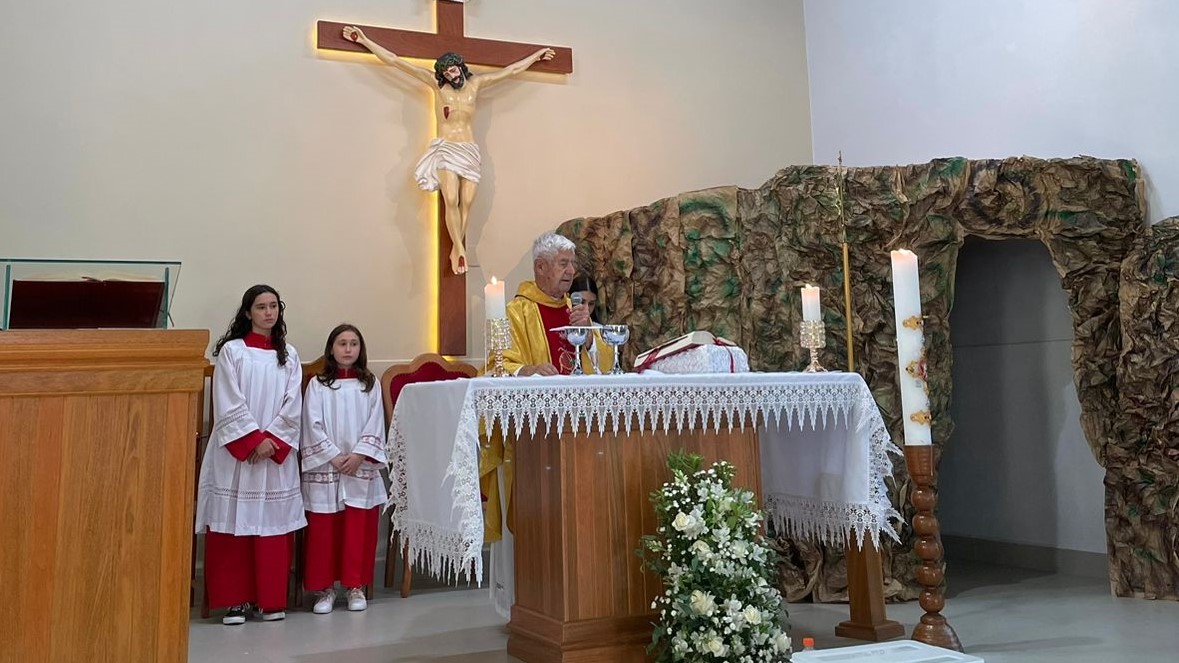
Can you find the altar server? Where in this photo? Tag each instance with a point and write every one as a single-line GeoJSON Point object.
{"type": "Point", "coordinates": [343, 452]}
{"type": "Point", "coordinates": [249, 499]}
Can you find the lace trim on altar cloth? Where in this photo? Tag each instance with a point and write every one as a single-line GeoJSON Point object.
{"type": "Point", "coordinates": [456, 549]}
{"type": "Point", "coordinates": [837, 523]}
{"type": "Point", "coordinates": [448, 554]}
{"type": "Point", "coordinates": [442, 554]}
{"type": "Point", "coordinates": [619, 408]}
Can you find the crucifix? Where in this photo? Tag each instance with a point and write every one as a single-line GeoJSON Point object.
{"type": "Point", "coordinates": [451, 163]}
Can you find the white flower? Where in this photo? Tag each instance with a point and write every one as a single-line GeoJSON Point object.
{"type": "Point", "coordinates": [752, 615]}
{"type": "Point", "coordinates": [721, 536]}
{"type": "Point", "coordinates": [714, 646]}
{"type": "Point", "coordinates": [725, 504]}
{"type": "Point", "coordinates": [701, 549]}
{"type": "Point", "coordinates": [782, 642]}
{"type": "Point", "coordinates": [679, 645]}
{"type": "Point", "coordinates": [702, 603]}
{"type": "Point", "coordinates": [739, 549]}
{"type": "Point", "coordinates": [691, 524]}
{"type": "Point", "coordinates": [733, 606]}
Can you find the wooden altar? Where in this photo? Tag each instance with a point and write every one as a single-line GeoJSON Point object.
{"type": "Point", "coordinates": [581, 592]}
{"type": "Point", "coordinates": [97, 432]}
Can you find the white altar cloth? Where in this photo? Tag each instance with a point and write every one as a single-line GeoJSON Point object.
{"type": "Point", "coordinates": [824, 447]}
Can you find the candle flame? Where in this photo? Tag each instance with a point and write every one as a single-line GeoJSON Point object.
{"type": "Point", "coordinates": [493, 280]}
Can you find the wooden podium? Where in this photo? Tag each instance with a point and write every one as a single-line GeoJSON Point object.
{"type": "Point", "coordinates": [97, 433]}
{"type": "Point", "coordinates": [581, 505]}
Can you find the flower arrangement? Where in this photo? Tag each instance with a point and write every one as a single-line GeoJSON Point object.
{"type": "Point", "coordinates": [720, 599]}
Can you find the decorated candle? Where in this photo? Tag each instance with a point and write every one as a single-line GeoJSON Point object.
{"type": "Point", "coordinates": [493, 299]}
{"type": "Point", "coordinates": [906, 294]}
{"type": "Point", "coordinates": [810, 304]}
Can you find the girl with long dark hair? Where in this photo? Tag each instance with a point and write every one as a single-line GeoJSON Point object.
{"type": "Point", "coordinates": [249, 500]}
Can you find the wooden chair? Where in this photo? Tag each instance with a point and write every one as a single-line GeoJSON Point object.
{"type": "Point", "coordinates": [425, 368]}
{"type": "Point", "coordinates": [205, 428]}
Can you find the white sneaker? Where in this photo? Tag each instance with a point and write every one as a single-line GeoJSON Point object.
{"type": "Point", "coordinates": [356, 600]}
{"type": "Point", "coordinates": [276, 616]}
{"type": "Point", "coordinates": [325, 602]}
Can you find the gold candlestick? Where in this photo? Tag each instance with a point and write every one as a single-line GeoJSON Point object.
{"type": "Point", "coordinates": [498, 337]}
{"type": "Point", "coordinates": [813, 337]}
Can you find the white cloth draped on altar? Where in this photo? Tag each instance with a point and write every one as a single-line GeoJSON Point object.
{"type": "Point", "coordinates": [824, 450]}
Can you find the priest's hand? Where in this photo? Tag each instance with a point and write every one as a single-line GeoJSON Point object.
{"type": "Point", "coordinates": [263, 451]}
{"type": "Point", "coordinates": [579, 315]}
{"type": "Point", "coordinates": [351, 464]}
{"type": "Point", "coordinates": [538, 369]}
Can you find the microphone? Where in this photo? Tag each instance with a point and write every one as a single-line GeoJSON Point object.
{"type": "Point", "coordinates": [576, 299]}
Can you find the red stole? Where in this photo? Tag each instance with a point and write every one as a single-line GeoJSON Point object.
{"type": "Point", "coordinates": [557, 316]}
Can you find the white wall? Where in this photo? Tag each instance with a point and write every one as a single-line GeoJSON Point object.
{"type": "Point", "coordinates": [214, 133]}
{"type": "Point", "coordinates": [905, 82]}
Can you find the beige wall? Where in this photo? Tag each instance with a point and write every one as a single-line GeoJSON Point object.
{"type": "Point", "coordinates": [213, 133]}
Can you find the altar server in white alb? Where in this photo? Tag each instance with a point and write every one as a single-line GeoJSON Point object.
{"type": "Point", "coordinates": [343, 453]}
{"type": "Point", "coordinates": [249, 500]}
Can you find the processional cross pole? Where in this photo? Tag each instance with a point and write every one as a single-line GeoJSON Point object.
{"type": "Point", "coordinates": [865, 572]}
{"type": "Point", "coordinates": [453, 161]}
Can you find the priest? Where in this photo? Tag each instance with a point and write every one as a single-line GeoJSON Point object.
{"type": "Point", "coordinates": [543, 304]}
{"type": "Point", "coordinates": [539, 306]}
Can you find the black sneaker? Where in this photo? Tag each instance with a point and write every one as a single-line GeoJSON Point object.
{"type": "Point", "coordinates": [236, 615]}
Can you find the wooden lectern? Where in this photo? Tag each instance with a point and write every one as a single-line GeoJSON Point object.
{"type": "Point", "coordinates": [97, 431]}
{"type": "Point", "coordinates": [581, 506]}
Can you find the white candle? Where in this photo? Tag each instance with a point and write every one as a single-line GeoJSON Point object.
{"type": "Point", "coordinates": [493, 299]}
{"type": "Point", "coordinates": [906, 295]}
{"type": "Point", "coordinates": [810, 304]}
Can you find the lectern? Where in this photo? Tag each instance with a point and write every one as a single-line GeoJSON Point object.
{"type": "Point", "coordinates": [97, 435]}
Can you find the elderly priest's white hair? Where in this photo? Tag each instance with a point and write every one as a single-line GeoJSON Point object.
{"type": "Point", "coordinates": [548, 245]}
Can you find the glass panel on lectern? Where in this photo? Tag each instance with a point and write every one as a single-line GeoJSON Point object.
{"type": "Point", "coordinates": [82, 294]}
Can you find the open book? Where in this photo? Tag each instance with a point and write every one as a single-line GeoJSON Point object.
{"type": "Point", "coordinates": [676, 346]}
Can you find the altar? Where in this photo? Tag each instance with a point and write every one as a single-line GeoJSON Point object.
{"type": "Point", "coordinates": [589, 450]}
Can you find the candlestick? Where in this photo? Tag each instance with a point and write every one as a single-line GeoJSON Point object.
{"type": "Point", "coordinates": [813, 337]}
{"type": "Point", "coordinates": [498, 337]}
{"type": "Point", "coordinates": [906, 292]}
{"type": "Point", "coordinates": [933, 629]}
{"type": "Point", "coordinates": [810, 304]}
{"type": "Point", "coordinates": [493, 300]}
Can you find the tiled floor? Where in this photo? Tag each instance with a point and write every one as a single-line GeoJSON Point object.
{"type": "Point", "coordinates": [1002, 615]}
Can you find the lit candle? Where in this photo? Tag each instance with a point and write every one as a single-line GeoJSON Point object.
{"type": "Point", "coordinates": [906, 295]}
{"type": "Point", "coordinates": [493, 299]}
{"type": "Point", "coordinates": [810, 304]}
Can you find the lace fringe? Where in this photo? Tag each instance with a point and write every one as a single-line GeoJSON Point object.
{"type": "Point", "coordinates": [447, 555]}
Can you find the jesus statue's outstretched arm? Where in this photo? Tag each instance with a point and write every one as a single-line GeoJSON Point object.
{"type": "Point", "coordinates": [389, 57]}
{"type": "Point", "coordinates": [518, 67]}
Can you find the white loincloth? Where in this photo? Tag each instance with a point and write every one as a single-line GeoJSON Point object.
{"type": "Point", "coordinates": [462, 159]}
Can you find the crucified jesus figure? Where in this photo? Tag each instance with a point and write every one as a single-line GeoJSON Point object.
{"type": "Point", "coordinates": [452, 162]}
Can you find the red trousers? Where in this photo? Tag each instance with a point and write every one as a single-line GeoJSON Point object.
{"type": "Point", "coordinates": [247, 569]}
{"type": "Point", "coordinates": [341, 546]}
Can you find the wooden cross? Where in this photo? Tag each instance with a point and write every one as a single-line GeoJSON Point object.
{"type": "Point", "coordinates": [450, 36]}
